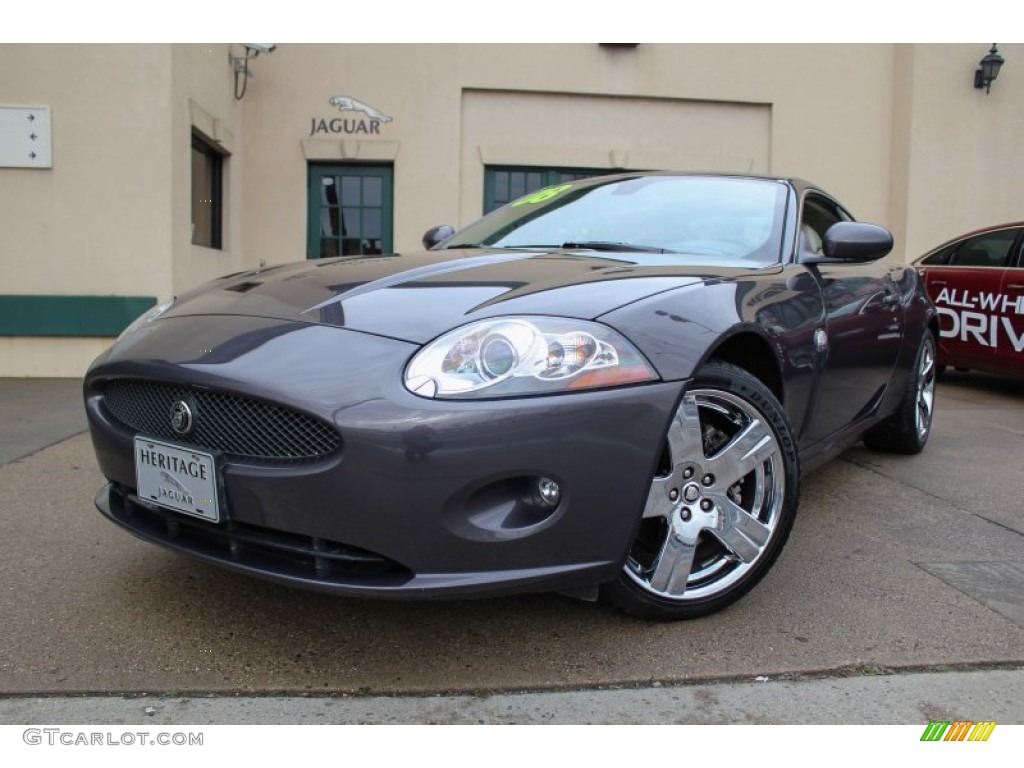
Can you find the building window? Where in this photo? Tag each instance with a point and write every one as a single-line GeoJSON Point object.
{"type": "Point", "coordinates": [207, 194]}
{"type": "Point", "coordinates": [504, 184]}
{"type": "Point", "coordinates": [350, 210]}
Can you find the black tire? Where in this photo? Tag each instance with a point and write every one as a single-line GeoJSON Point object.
{"type": "Point", "coordinates": [721, 504]}
{"type": "Point", "coordinates": [907, 430]}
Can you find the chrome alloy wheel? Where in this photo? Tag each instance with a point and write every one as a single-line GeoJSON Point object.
{"type": "Point", "coordinates": [926, 374]}
{"type": "Point", "coordinates": [715, 504]}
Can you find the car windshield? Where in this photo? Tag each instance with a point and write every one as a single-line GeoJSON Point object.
{"type": "Point", "coordinates": [695, 215]}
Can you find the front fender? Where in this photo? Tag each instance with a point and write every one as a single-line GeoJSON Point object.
{"type": "Point", "coordinates": [680, 330]}
{"type": "Point", "coordinates": [763, 322]}
{"type": "Point", "coordinates": [677, 329]}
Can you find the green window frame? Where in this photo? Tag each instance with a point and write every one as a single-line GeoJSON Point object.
{"type": "Point", "coordinates": [505, 183]}
{"type": "Point", "coordinates": [350, 210]}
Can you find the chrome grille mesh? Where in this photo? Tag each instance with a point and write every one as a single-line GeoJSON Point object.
{"type": "Point", "coordinates": [232, 424]}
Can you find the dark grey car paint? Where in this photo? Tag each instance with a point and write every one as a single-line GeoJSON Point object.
{"type": "Point", "coordinates": [403, 483]}
{"type": "Point", "coordinates": [332, 338]}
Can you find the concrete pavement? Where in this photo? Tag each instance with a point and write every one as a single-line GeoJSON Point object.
{"type": "Point", "coordinates": [893, 699]}
{"type": "Point", "coordinates": [895, 563]}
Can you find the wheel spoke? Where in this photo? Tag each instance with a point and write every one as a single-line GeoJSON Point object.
{"type": "Point", "coordinates": [926, 402]}
{"type": "Point", "coordinates": [741, 532]}
{"type": "Point", "coordinates": [744, 453]}
{"type": "Point", "coordinates": [684, 437]}
{"type": "Point", "coordinates": [658, 502]}
{"type": "Point", "coordinates": [674, 563]}
{"type": "Point", "coordinates": [927, 366]}
{"type": "Point", "coordinates": [925, 391]}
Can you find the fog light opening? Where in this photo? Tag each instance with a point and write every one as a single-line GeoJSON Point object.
{"type": "Point", "coordinates": [548, 493]}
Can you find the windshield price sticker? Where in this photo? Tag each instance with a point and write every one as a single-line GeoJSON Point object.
{"type": "Point", "coordinates": [542, 195]}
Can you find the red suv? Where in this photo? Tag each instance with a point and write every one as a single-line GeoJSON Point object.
{"type": "Point", "coordinates": [977, 284]}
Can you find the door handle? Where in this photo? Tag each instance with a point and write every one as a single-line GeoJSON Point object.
{"type": "Point", "coordinates": [1016, 286]}
{"type": "Point", "coordinates": [938, 282]}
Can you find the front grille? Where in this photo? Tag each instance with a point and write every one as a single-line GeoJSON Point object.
{"type": "Point", "coordinates": [273, 553]}
{"type": "Point", "coordinates": [231, 424]}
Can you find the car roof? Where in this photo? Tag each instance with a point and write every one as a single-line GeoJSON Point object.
{"type": "Point", "coordinates": [972, 233]}
{"type": "Point", "coordinates": [798, 184]}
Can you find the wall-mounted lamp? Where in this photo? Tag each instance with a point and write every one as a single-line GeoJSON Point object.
{"type": "Point", "coordinates": [989, 69]}
{"type": "Point", "coordinates": [241, 64]}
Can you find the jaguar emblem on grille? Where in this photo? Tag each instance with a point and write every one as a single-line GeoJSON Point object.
{"type": "Point", "coordinates": [182, 419]}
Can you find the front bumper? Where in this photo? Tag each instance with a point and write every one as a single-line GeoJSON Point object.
{"type": "Point", "coordinates": [424, 498]}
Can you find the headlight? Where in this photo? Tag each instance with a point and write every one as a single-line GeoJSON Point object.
{"type": "Point", "coordinates": [146, 317]}
{"type": "Point", "coordinates": [513, 356]}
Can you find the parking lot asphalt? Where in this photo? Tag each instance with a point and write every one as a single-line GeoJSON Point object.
{"type": "Point", "coordinates": [36, 413]}
{"type": "Point", "coordinates": [895, 564]}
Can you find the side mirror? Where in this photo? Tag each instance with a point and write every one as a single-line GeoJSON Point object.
{"type": "Point", "coordinates": [856, 241]}
{"type": "Point", "coordinates": [436, 235]}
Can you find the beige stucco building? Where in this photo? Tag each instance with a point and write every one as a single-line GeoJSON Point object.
{"type": "Point", "coordinates": [159, 178]}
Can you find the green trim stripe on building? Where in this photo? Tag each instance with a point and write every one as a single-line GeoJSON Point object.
{"type": "Point", "coordinates": [31, 315]}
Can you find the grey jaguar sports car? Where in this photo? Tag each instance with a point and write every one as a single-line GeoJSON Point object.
{"type": "Point", "coordinates": [608, 388]}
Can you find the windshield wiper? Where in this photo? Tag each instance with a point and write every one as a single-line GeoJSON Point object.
{"type": "Point", "coordinates": [609, 245]}
{"type": "Point", "coordinates": [497, 247]}
{"type": "Point", "coordinates": [589, 245]}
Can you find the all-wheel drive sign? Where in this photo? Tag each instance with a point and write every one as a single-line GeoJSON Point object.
{"type": "Point", "coordinates": [992, 326]}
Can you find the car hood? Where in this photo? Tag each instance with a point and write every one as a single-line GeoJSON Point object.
{"type": "Point", "coordinates": [419, 296]}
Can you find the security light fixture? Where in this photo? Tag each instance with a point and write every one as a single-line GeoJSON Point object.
{"type": "Point", "coordinates": [241, 64]}
{"type": "Point", "coordinates": [989, 69]}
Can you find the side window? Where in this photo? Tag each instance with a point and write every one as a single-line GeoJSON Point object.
{"type": "Point", "coordinates": [940, 258]}
{"type": "Point", "coordinates": [207, 193]}
{"type": "Point", "coordinates": [818, 215]}
{"type": "Point", "coordinates": [989, 250]}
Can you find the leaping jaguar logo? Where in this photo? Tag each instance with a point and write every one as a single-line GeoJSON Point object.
{"type": "Point", "coordinates": [182, 419]}
{"type": "Point", "coordinates": [354, 105]}
{"type": "Point", "coordinates": [174, 482]}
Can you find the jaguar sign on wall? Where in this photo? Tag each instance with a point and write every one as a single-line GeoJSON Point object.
{"type": "Point", "coordinates": [359, 118]}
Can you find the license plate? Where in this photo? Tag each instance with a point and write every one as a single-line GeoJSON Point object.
{"type": "Point", "coordinates": [177, 478]}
